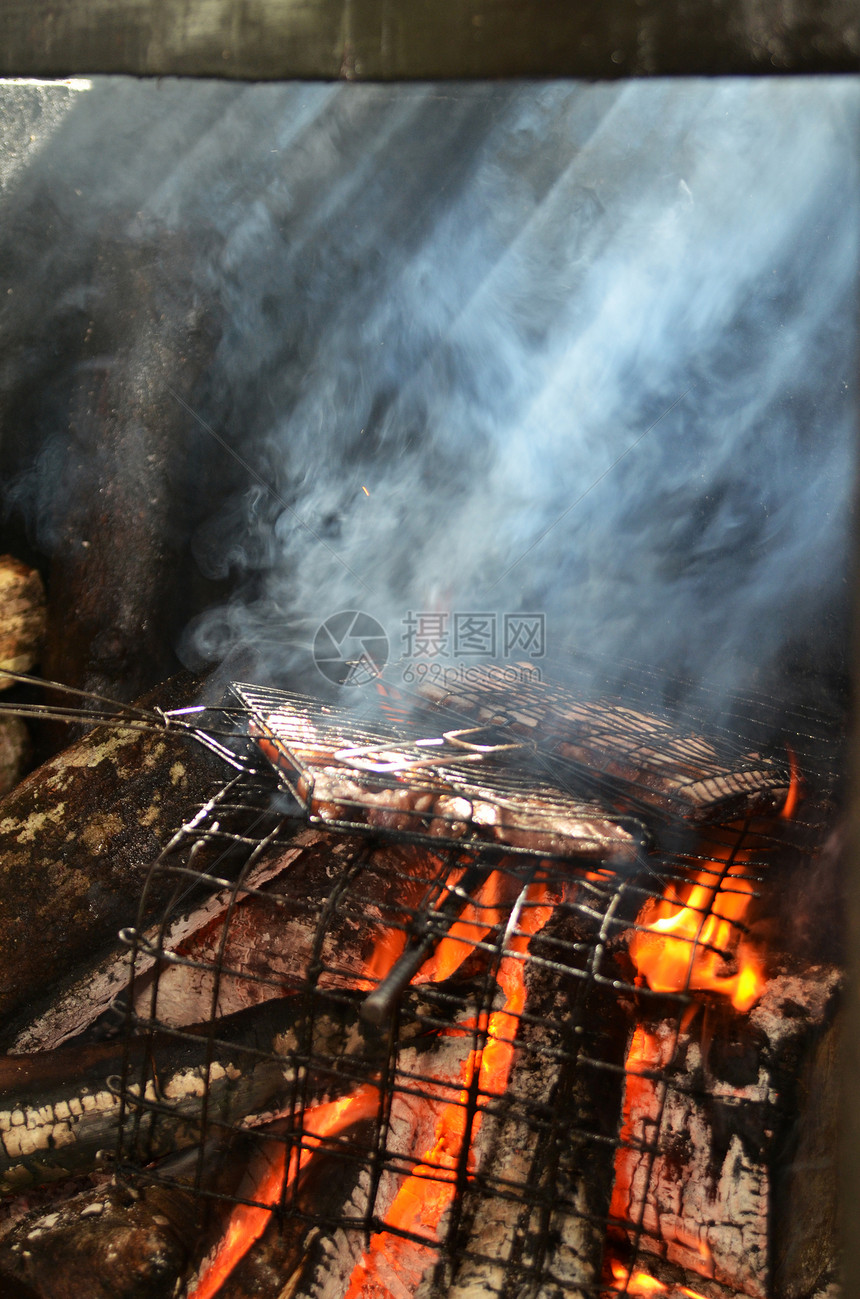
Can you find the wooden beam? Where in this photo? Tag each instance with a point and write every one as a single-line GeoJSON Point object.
{"type": "Point", "coordinates": [390, 39]}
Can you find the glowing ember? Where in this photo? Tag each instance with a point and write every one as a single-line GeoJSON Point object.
{"type": "Point", "coordinates": [249, 1221]}
{"type": "Point", "coordinates": [646, 1052]}
{"type": "Point", "coordinates": [393, 1262]}
{"type": "Point", "coordinates": [474, 924]}
{"type": "Point", "coordinates": [642, 1284]}
{"type": "Point", "coordinates": [683, 939]}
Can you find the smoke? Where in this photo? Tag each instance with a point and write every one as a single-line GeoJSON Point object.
{"type": "Point", "coordinates": [583, 352]}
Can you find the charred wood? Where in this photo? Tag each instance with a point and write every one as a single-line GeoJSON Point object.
{"type": "Point", "coordinates": [328, 906]}
{"type": "Point", "coordinates": [99, 988]}
{"type": "Point", "coordinates": [726, 1192]}
{"type": "Point", "coordinates": [59, 1109]}
{"type": "Point", "coordinates": [422, 1089]}
{"type": "Point", "coordinates": [531, 1219]}
{"type": "Point", "coordinates": [77, 838]}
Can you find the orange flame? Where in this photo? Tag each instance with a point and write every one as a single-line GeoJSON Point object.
{"type": "Point", "coordinates": [478, 917]}
{"type": "Point", "coordinates": [792, 798]}
{"type": "Point", "coordinates": [249, 1221]}
{"type": "Point", "coordinates": [683, 938]}
{"type": "Point", "coordinates": [642, 1284]}
{"type": "Point", "coordinates": [393, 1260]}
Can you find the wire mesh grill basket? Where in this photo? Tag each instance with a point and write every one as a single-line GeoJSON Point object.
{"type": "Point", "coordinates": [399, 921]}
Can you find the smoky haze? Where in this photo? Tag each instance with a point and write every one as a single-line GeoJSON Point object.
{"type": "Point", "coordinates": [588, 352]}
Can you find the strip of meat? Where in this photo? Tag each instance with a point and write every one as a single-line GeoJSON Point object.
{"type": "Point", "coordinates": [416, 791]}
{"type": "Point", "coordinates": [642, 757]}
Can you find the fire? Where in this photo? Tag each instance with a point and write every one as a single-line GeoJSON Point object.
{"type": "Point", "coordinates": [475, 923]}
{"type": "Point", "coordinates": [249, 1221]}
{"type": "Point", "coordinates": [478, 917]}
{"type": "Point", "coordinates": [392, 1260]}
{"type": "Point", "coordinates": [682, 939]}
{"type": "Point", "coordinates": [793, 796]}
{"type": "Point", "coordinates": [642, 1284]}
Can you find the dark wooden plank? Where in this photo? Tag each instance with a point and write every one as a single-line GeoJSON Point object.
{"type": "Point", "coordinates": [390, 39]}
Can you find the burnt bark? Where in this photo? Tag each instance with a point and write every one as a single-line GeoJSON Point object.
{"type": "Point", "coordinates": [77, 838]}
{"type": "Point", "coordinates": [742, 1189]}
{"type": "Point", "coordinates": [104, 1243]}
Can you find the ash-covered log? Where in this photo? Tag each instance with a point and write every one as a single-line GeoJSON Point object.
{"type": "Point", "coordinates": [724, 1169]}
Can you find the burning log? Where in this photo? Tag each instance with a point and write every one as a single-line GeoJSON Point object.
{"type": "Point", "coordinates": [532, 1214]}
{"type": "Point", "coordinates": [282, 924]}
{"type": "Point", "coordinates": [77, 838]}
{"type": "Point", "coordinates": [423, 1081]}
{"type": "Point", "coordinates": [725, 1103]}
{"type": "Point", "coordinates": [59, 1109]}
{"type": "Point", "coordinates": [22, 617]}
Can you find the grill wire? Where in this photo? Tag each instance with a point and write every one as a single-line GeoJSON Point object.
{"type": "Point", "coordinates": [265, 849]}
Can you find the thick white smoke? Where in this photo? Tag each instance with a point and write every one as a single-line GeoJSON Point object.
{"type": "Point", "coordinates": [585, 351]}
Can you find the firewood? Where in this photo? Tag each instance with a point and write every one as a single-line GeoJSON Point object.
{"type": "Point", "coordinates": [104, 1243]}
{"type": "Point", "coordinates": [272, 926]}
{"type": "Point", "coordinates": [14, 752]}
{"type": "Point", "coordinates": [721, 1198]}
{"type": "Point", "coordinates": [532, 1216]}
{"type": "Point", "coordinates": [77, 837]}
{"type": "Point", "coordinates": [22, 617]}
{"type": "Point", "coordinates": [78, 1002]}
{"type": "Point", "coordinates": [59, 1109]}
{"type": "Point", "coordinates": [422, 1087]}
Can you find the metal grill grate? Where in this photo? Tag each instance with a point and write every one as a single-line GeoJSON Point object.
{"type": "Point", "coordinates": [331, 918]}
